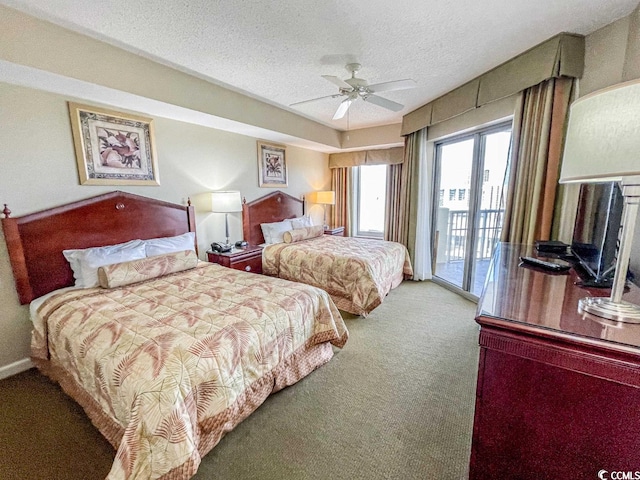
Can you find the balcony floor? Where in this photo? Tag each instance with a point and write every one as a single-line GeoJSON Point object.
{"type": "Point", "coordinates": [453, 271]}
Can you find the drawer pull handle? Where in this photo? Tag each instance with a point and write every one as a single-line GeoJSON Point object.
{"type": "Point", "coordinates": [248, 268]}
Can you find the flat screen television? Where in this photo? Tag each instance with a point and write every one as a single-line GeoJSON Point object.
{"type": "Point", "coordinates": [595, 235]}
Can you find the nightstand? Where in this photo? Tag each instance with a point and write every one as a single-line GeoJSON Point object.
{"type": "Point", "coordinates": [248, 259]}
{"type": "Point", "coordinates": [336, 231]}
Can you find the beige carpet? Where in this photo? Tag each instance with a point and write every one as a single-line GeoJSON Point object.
{"type": "Point", "coordinates": [396, 403]}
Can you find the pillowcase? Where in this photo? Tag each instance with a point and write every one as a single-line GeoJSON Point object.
{"type": "Point", "coordinates": [273, 232]}
{"type": "Point", "coordinates": [301, 222]}
{"type": "Point", "coordinates": [179, 243]}
{"type": "Point", "coordinates": [305, 233]}
{"type": "Point", "coordinates": [126, 273]}
{"type": "Point", "coordinates": [85, 262]}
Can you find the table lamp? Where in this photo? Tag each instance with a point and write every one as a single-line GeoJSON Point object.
{"type": "Point", "coordinates": [603, 145]}
{"type": "Point", "coordinates": [226, 202]}
{"type": "Point", "coordinates": [324, 198]}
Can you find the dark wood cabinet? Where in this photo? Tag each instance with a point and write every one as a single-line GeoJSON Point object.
{"type": "Point", "coordinates": [337, 231]}
{"type": "Point", "coordinates": [558, 392]}
{"type": "Point", "coordinates": [248, 259]}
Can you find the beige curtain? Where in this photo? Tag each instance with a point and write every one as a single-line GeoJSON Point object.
{"type": "Point", "coordinates": [396, 222]}
{"type": "Point", "coordinates": [536, 150]}
{"type": "Point", "coordinates": [406, 210]}
{"type": "Point", "coordinates": [341, 212]}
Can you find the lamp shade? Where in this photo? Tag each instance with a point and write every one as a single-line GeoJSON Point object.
{"type": "Point", "coordinates": [226, 202]}
{"type": "Point", "coordinates": [324, 197]}
{"type": "Point", "coordinates": [603, 136]}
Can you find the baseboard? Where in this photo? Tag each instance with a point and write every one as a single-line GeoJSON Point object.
{"type": "Point", "coordinates": [15, 367]}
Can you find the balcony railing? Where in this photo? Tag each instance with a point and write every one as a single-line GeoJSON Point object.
{"type": "Point", "coordinates": [488, 233]}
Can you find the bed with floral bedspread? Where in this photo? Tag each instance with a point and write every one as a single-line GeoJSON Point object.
{"type": "Point", "coordinates": [357, 272]}
{"type": "Point", "coordinates": [165, 367]}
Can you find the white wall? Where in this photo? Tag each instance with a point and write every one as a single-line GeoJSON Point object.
{"type": "Point", "coordinates": [38, 171]}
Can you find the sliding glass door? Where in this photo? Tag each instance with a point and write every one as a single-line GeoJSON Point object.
{"type": "Point", "coordinates": [469, 205]}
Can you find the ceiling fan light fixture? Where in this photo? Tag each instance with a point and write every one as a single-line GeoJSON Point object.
{"type": "Point", "coordinates": [354, 87]}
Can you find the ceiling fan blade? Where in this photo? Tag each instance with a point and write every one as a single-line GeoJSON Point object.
{"type": "Point", "coordinates": [342, 108]}
{"type": "Point", "coordinates": [316, 99]}
{"type": "Point", "coordinates": [383, 102]}
{"type": "Point", "coordinates": [391, 86]}
{"type": "Point", "coordinates": [337, 81]}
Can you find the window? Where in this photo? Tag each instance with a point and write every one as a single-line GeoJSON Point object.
{"type": "Point", "coordinates": [441, 197]}
{"type": "Point", "coordinates": [370, 182]}
{"type": "Point", "coordinates": [452, 194]}
{"type": "Point", "coordinates": [485, 177]}
{"type": "Point", "coordinates": [462, 194]}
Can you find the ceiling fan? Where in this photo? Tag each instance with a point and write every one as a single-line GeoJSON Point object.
{"type": "Point", "coordinates": [354, 87]}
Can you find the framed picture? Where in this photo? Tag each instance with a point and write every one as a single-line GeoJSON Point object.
{"type": "Point", "coordinates": [272, 165]}
{"type": "Point", "coordinates": [113, 148]}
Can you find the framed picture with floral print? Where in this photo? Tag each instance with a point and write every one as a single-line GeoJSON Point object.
{"type": "Point", "coordinates": [272, 165]}
{"type": "Point", "coordinates": [113, 148]}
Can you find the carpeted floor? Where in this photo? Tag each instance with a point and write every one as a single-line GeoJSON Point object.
{"type": "Point", "coordinates": [396, 403]}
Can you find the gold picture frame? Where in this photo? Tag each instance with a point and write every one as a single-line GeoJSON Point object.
{"type": "Point", "coordinates": [272, 165]}
{"type": "Point", "coordinates": [113, 148]}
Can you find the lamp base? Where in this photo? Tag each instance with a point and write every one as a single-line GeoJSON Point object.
{"type": "Point", "coordinates": [622, 311]}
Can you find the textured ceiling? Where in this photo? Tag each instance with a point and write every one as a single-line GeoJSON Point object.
{"type": "Point", "coordinates": [277, 50]}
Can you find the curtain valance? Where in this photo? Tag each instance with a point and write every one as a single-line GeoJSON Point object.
{"type": "Point", "coordinates": [387, 156]}
{"type": "Point", "coordinates": [560, 56]}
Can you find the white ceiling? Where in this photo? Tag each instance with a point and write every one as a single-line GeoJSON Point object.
{"type": "Point", "coordinates": [277, 50]}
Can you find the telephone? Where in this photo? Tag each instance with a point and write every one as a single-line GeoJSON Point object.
{"type": "Point", "coordinates": [220, 247]}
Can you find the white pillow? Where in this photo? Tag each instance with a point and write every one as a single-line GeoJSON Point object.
{"type": "Point", "coordinates": [179, 243]}
{"type": "Point", "coordinates": [85, 262]}
{"type": "Point", "coordinates": [301, 222]}
{"type": "Point", "coordinates": [274, 232]}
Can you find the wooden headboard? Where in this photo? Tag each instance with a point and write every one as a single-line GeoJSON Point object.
{"type": "Point", "coordinates": [273, 207]}
{"type": "Point", "coordinates": [35, 242]}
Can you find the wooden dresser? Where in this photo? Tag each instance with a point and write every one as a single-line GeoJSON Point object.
{"type": "Point", "coordinates": [558, 392]}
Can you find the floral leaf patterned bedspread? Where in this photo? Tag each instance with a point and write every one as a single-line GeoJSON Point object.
{"type": "Point", "coordinates": [357, 272]}
{"type": "Point", "coordinates": [163, 358]}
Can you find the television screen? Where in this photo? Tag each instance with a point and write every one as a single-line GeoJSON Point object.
{"type": "Point", "coordinates": [595, 235]}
